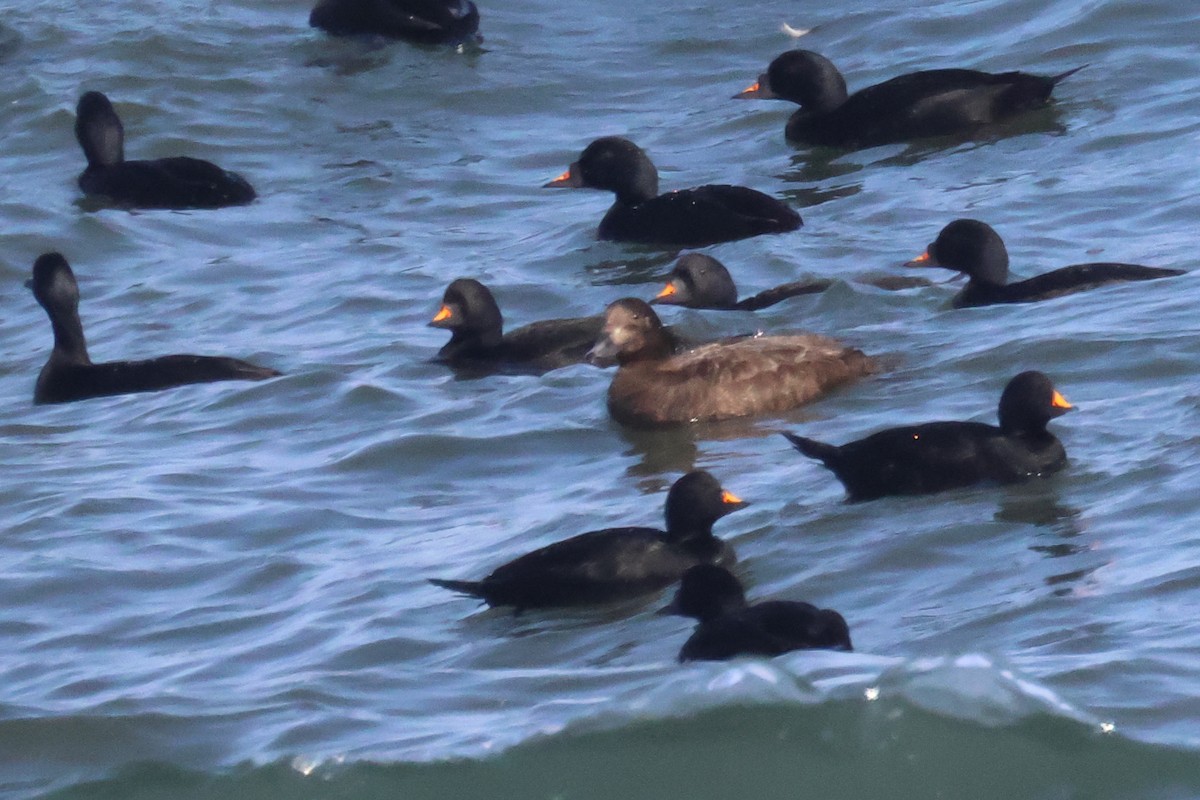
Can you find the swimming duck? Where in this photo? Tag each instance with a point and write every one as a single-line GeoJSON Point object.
{"type": "Point", "coordinates": [70, 375]}
{"type": "Point", "coordinates": [614, 564]}
{"type": "Point", "coordinates": [684, 218]}
{"type": "Point", "coordinates": [730, 627]}
{"type": "Point", "coordinates": [470, 313]}
{"type": "Point", "coordinates": [721, 380]}
{"type": "Point", "coordinates": [917, 105]}
{"type": "Point", "coordinates": [177, 182]}
{"type": "Point", "coordinates": [935, 456]}
{"type": "Point", "coordinates": [422, 21]}
{"type": "Point", "coordinates": [701, 281]}
{"type": "Point", "coordinates": [976, 250]}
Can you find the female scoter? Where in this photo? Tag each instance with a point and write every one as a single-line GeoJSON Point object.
{"type": "Point", "coordinates": [935, 456]}
{"type": "Point", "coordinates": [615, 563]}
{"type": "Point", "coordinates": [176, 182]}
{"type": "Point", "coordinates": [740, 377]}
{"type": "Point", "coordinates": [70, 375]}
{"type": "Point", "coordinates": [685, 218]}
{"type": "Point", "coordinates": [701, 281]}
{"type": "Point", "coordinates": [422, 21]}
{"type": "Point", "coordinates": [936, 102]}
{"type": "Point", "coordinates": [470, 313]}
{"type": "Point", "coordinates": [976, 250]}
{"type": "Point", "coordinates": [729, 627]}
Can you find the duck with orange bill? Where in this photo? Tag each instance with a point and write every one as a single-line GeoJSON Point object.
{"type": "Point", "coordinates": [936, 102]}
{"type": "Point", "coordinates": [477, 339]}
{"type": "Point", "coordinates": [977, 251]}
{"type": "Point", "coordinates": [615, 564]}
{"type": "Point", "coordinates": [684, 218]}
{"type": "Point", "coordinates": [700, 281]}
{"type": "Point", "coordinates": [936, 456]}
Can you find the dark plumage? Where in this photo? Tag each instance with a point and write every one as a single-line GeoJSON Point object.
{"type": "Point", "coordinates": [69, 374]}
{"type": "Point", "coordinates": [701, 281]}
{"type": "Point", "coordinates": [729, 627]}
{"type": "Point", "coordinates": [423, 21]}
{"type": "Point", "coordinates": [935, 456]}
{"type": "Point", "coordinates": [615, 563]}
{"type": "Point", "coordinates": [754, 375]}
{"type": "Point", "coordinates": [177, 182]}
{"type": "Point", "coordinates": [935, 102]}
{"type": "Point", "coordinates": [470, 313]}
{"type": "Point", "coordinates": [685, 218]}
{"type": "Point", "coordinates": [976, 250]}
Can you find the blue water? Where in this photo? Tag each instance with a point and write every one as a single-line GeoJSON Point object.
{"type": "Point", "coordinates": [219, 591]}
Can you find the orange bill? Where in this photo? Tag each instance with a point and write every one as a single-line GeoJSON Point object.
{"type": "Point", "coordinates": [923, 260]}
{"type": "Point", "coordinates": [667, 291]}
{"type": "Point", "coordinates": [443, 314]}
{"type": "Point", "coordinates": [561, 180]}
{"type": "Point", "coordinates": [729, 497]}
{"type": "Point", "coordinates": [1058, 401]}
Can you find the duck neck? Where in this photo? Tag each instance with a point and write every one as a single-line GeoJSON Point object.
{"type": "Point", "coordinates": [69, 342]}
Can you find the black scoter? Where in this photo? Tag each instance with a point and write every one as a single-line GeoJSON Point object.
{"type": "Point", "coordinates": [917, 105]}
{"type": "Point", "coordinates": [935, 456]}
{"type": "Point", "coordinates": [615, 564]}
{"type": "Point", "coordinates": [729, 627]}
{"type": "Point", "coordinates": [177, 182]}
{"type": "Point", "coordinates": [70, 375]}
{"type": "Point", "coordinates": [684, 218]}
{"type": "Point", "coordinates": [422, 21]}
{"type": "Point", "coordinates": [477, 341]}
{"type": "Point", "coordinates": [701, 281]}
{"type": "Point", "coordinates": [976, 250]}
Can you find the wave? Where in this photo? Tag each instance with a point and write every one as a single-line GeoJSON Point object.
{"type": "Point", "coordinates": [938, 727]}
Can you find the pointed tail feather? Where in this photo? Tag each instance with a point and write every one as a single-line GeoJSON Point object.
{"type": "Point", "coordinates": [826, 453]}
{"type": "Point", "coordinates": [471, 588]}
{"type": "Point", "coordinates": [1057, 79]}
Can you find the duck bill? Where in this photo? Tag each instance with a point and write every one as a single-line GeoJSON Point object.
{"type": "Point", "coordinates": [568, 180]}
{"type": "Point", "coordinates": [1060, 403]}
{"type": "Point", "coordinates": [603, 353]}
{"type": "Point", "coordinates": [761, 90]}
{"type": "Point", "coordinates": [923, 260]}
{"type": "Point", "coordinates": [668, 296]}
{"type": "Point", "coordinates": [731, 501]}
{"type": "Point", "coordinates": [442, 318]}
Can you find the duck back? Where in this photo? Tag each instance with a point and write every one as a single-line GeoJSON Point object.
{"type": "Point", "coordinates": [698, 217]}
{"type": "Point", "coordinates": [935, 457]}
{"type": "Point", "coordinates": [759, 375]}
{"type": "Point", "coordinates": [63, 381]}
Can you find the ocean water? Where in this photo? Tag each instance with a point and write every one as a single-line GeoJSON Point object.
{"type": "Point", "coordinates": [220, 590]}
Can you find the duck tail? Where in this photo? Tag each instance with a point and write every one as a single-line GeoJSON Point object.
{"type": "Point", "coordinates": [825, 453]}
{"type": "Point", "coordinates": [1057, 79]}
{"type": "Point", "coordinates": [470, 588]}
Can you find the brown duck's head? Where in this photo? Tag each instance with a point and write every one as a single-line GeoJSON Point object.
{"type": "Point", "coordinates": [631, 332]}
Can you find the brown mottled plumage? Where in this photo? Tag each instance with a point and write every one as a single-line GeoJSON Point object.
{"type": "Point", "coordinates": [743, 377]}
